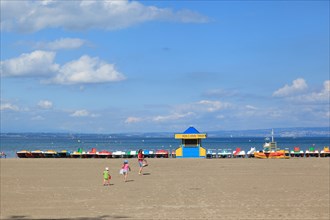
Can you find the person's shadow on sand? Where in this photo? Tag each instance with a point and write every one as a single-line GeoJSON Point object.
{"type": "Point", "coordinates": [146, 174]}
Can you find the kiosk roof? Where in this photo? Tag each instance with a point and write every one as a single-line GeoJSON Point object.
{"type": "Point", "coordinates": [191, 130]}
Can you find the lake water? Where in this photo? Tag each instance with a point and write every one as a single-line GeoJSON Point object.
{"type": "Point", "coordinates": [11, 143]}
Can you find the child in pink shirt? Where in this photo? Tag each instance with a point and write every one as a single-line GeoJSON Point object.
{"type": "Point", "coordinates": [125, 168]}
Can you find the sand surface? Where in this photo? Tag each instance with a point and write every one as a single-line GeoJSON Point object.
{"type": "Point", "coordinates": [169, 189]}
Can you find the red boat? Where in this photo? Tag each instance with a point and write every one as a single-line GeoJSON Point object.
{"type": "Point", "coordinates": [162, 153]}
{"type": "Point", "coordinates": [90, 154]}
{"type": "Point", "coordinates": [104, 154]}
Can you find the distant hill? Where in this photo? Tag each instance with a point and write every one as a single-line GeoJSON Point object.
{"type": "Point", "coordinates": [278, 132]}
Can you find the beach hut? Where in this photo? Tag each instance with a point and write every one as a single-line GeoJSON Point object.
{"type": "Point", "coordinates": [191, 144]}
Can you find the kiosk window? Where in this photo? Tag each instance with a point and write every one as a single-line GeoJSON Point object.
{"type": "Point", "coordinates": [191, 142]}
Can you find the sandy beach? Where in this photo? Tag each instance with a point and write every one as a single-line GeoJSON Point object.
{"type": "Point", "coordinates": [169, 189]}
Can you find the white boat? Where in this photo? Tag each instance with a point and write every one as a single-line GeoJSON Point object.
{"type": "Point", "coordinates": [296, 152]}
{"type": "Point", "coordinates": [238, 153]}
{"type": "Point", "coordinates": [225, 153]}
{"type": "Point", "coordinates": [118, 154]}
{"type": "Point", "coordinates": [311, 152]}
{"type": "Point", "coordinates": [250, 153]}
{"type": "Point", "coordinates": [211, 153]}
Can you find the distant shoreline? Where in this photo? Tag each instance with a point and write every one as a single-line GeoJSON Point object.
{"type": "Point", "coordinates": [293, 132]}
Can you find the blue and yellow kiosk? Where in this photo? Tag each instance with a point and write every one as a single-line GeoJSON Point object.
{"type": "Point", "coordinates": [191, 144]}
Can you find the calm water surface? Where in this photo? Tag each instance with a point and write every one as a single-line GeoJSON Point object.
{"type": "Point", "coordinates": [10, 144]}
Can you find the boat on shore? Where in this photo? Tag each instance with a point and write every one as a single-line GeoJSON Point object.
{"type": "Point", "coordinates": [50, 154]}
{"type": "Point", "coordinates": [225, 153]}
{"type": "Point", "coordinates": [131, 154]}
{"type": "Point", "coordinates": [23, 154]}
{"type": "Point", "coordinates": [311, 152]}
{"type": "Point", "coordinates": [280, 154]}
{"type": "Point", "coordinates": [37, 154]}
{"type": "Point", "coordinates": [148, 153]}
{"type": "Point", "coordinates": [325, 152]}
{"type": "Point", "coordinates": [251, 152]}
{"type": "Point", "coordinates": [63, 154]}
{"type": "Point", "coordinates": [118, 154]}
{"type": "Point", "coordinates": [239, 153]}
{"type": "Point", "coordinates": [297, 152]}
{"type": "Point", "coordinates": [162, 154]}
{"type": "Point", "coordinates": [90, 154]}
{"type": "Point", "coordinates": [211, 153]}
{"type": "Point", "coordinates": [76, 154]}
{"type": "Point", "coordinates": [104, 154]}
{"type": "Point", "coordinates": [271, 151]}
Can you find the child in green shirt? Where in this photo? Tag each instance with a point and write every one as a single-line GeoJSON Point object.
{"type": "Point", "coordinates": [106, 177]}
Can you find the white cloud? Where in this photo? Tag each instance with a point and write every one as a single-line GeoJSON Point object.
{"type": "Point", "coordinates": [212, 106]}
{"type": "Point", "coordinates": [298, 85]}
{"type": "Point", "coordinates": [83, 113]}
{"type": "Point", "coordinates": [37, 63]}
{"type": "Point", "coordinates": [47, 2]}
{"type": "Point", "coordinates": [327, 114]}
{"type": "Point", "coordinates": [31, 16]}
{"type": "Point", "coordinates": [45, 104]}
{"type": "Point", "coordinates": [8, 106]}
{"type": "Point", "coordinates": [251, 107]}
{"type": "Point", "coordinates": [37, 118]}
{"type": "Point", "coordinates": [131, 120]}
{"type": "Point", "coordinates": [87, 70]}
{"type": "Point", "coordinates": [80, 113]}
{"type": "Point", "coordinates": [220, 116]}
{"type": "Point", "coordinates": [220, 93]}
{"type": "Point", "coordinates": [172, 117]}
{"type": "Point", "coordinates": [60, 44]}
{"type": "Point", "coordinates": [291, 93]}
{"type": "Point", "coordinates": [321, 96]}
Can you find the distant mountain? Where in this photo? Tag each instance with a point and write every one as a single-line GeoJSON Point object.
{"type": "Point", "coordinates": [278, 132]}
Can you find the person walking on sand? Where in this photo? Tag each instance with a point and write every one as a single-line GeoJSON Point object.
{"type": "Point", "coordinates": [106, 177]}
{"type": "Point", "coordinates": [124, 169]}
{"type": "Point", "coordinates": [142, 162]}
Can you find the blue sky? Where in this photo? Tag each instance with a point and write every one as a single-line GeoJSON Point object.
{"type": "Point", "coordinates": [144, 66]}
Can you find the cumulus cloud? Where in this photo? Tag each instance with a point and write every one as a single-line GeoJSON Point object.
{"type": "Point", "coordinates": [220, 116]}
{"type": "Point", "coordinates": [216, 93]}
{"type": "Point", "coordinates": [87, 70]}
{"type": "Point", "coordinates": [322, 96]}
{"type": "Point", "coordinates": [37, 118]}
{"type": "Point", "coordinates": [31, 16]}
{"type": "Point", "coordinates": [37, 63]}
{"type": "Point", "coordinates": [82, 113]}
{"type": "Point", "coordinates": [298, 85]}
{"type": "Point", "coordinates": [8, 106]}
{"type": "Point", "coordinates": [251, 107]}
{"type": "Point", "coordinates": [61, 44]}
{"type": "Point", "coordinates": [45, 104]}
{"type": "Point", "coordinates": [131, 120]}
{"type": "Point", "coordinates": [291, 93]}
{"type": "Point", "coordinates": [172, 117]}
{"type": "Point", "coordinates": [212, 106]}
